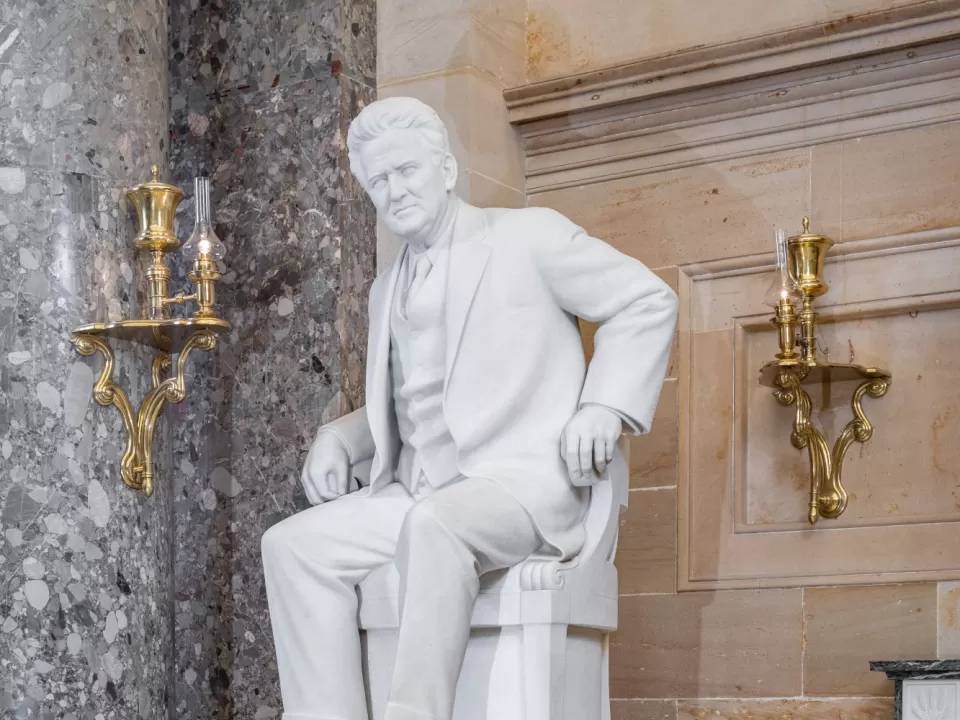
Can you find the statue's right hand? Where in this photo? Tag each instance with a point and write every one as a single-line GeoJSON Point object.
{"type": "Point", "coordinates": [326, 472]}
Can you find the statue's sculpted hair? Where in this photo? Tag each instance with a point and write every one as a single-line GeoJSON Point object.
{"type": "Point", "coordinates": [395, 113]}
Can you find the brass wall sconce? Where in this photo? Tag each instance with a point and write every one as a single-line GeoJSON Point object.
{"type": "Point", "coordinates": [156, 203]}
{"type": "Point", "coordinates": [799, 282]}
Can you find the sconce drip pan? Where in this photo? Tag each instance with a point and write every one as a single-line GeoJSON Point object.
{"type": "Point", "coordinates": [168, 334]}
{"type": "Point", "coordinates": [819, 372]}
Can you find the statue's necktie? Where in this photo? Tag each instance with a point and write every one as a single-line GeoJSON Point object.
{"type": "Point", "coordinates": [420, 271]}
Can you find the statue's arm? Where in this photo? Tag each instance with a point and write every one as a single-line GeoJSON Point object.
{"type": "Point", "coordinates": [636, 312]}
{"type": "Point", "coordinates": [353, 431]}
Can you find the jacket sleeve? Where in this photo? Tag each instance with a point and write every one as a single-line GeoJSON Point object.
{"type": "Point", "coordinates": [636, 312]}
{"type": "Point", "coordinates": [353, 430]}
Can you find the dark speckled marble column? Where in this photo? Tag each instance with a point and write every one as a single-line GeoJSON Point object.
{"type": "Point", "coordinates": [85, 563]}
{"type": "Point", "coordinates": [261, 95]}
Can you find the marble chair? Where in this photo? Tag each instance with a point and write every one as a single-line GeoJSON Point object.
{"type": "Point", "coordinates": [539, 645]}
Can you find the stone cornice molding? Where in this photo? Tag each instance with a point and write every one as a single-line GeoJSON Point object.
{"type": "Point", "coordinates": [901, 244]}
{"type": "Point", "coordinates": [875, 73]}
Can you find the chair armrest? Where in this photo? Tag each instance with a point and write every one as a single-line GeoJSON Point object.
{"type": "Point", "coordinates": [608, 498]}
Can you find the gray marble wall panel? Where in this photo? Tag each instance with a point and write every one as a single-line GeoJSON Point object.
{"type": "Point", "coordinates": [85, 563]}
{"type": "Point", "coordinates": [260, 96]}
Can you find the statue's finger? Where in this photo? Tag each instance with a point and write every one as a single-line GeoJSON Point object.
{"type": "Point", "coordinates": [343, 477]}
{"type": "Point", "coordinates": [586, 455]}
{"type": "Point", "coordinates": [573, 458]}
{"type": "Point", "coordinates": [327, 488]}
{"type": "Point", "coordinates": [313, 497]}
{"type": "Point", "coordinates": [600, 455]}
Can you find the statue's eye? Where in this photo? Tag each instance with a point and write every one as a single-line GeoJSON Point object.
{"type": "Point", "coordinates": [408, 170]}
{"type": "Point", "coordinates": [378, 182]}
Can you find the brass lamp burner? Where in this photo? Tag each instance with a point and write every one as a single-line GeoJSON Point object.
{"type": "Point", "coordinates": [155, 204]}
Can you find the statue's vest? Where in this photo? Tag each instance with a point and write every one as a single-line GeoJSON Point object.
{"type": "Point", "coordinates": [417, 359]}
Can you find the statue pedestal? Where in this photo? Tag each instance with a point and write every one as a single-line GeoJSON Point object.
{"type": "Point", "coordinates": [925, 689]}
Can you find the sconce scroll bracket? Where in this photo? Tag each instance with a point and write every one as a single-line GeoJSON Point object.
{"type": "Point", "coordinates": [828, 498]}
{"type": "Point", "coordinates": [136, 463]}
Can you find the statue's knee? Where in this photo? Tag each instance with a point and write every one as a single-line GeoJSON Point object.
{"type": "Point", "coordinates": [424, 520]}
{"type": "Point", "coordinates": [278, 540]}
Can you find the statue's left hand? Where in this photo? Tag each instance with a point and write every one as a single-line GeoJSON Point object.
{"type": "Point", "coordinates": [588, 442]}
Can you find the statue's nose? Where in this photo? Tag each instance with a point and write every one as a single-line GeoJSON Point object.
{"type": "Point", "coordinates": [397, 187]}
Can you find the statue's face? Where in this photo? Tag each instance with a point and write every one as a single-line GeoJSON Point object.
{"type": "Point", "coordinates": [408, 182]}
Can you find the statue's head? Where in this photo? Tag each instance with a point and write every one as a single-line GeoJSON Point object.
{"type": "Point", "coordinates": [400, 153]}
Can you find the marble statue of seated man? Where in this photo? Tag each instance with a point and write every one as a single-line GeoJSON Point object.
{"type": "Point", "coordinates": [484, 424]}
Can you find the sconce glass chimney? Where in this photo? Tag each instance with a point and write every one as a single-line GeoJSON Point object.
{"type": "Point", "coordinates": [203, 241]}
{"type": "Point", "coordinates": [783, 287]}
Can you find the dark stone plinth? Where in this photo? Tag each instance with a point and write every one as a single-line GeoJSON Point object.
{"type": "Point", "coordinates": [918, 669]}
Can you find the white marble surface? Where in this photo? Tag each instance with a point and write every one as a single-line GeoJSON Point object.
{"type": "Point", "coordinates": [495, 293]}
{"type": "Point", "coordinates": [931, 699]}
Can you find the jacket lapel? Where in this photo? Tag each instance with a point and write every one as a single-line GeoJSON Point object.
{"type": "Point", "coordinates": [379, 391]}
{"type": "Point", "coordinates": [468, 260]}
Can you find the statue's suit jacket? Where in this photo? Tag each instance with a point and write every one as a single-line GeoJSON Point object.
{"type": "Point", "coordinates": [515, 367]}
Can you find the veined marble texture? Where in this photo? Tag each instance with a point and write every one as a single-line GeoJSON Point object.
{"type": "Point", "coordinates": [260, 97]}
{"type": "Point", "coordinates": [85, 563]}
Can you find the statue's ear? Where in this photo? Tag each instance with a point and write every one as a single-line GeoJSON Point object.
{"type": "Point", "coordinates": [450, 170]}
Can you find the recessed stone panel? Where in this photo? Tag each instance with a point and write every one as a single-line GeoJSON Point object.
{"type": "Point", "coordinates": [744, 488]}
{"type": "Point", "coordinates": [914, 425]}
